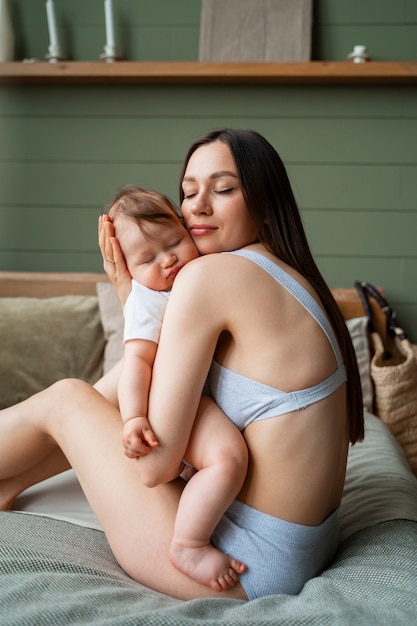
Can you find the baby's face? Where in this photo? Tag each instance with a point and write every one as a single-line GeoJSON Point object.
{"type": "Point", "coordinates": [155, 258]}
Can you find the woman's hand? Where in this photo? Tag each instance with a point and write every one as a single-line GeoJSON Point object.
{"type": "Point", "coordinates": [113, 260]}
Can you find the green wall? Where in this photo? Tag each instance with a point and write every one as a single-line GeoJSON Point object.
{"type": "Point", "coordinates": [351, 151]}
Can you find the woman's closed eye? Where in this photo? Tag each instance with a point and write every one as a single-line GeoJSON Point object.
{"type": "Point", "coordinates": [189, 195]}
{"type": "Point", "coordinates": [228, 190]}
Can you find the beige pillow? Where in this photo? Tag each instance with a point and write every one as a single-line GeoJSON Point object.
{"type": "Point", "coordinates": [112, 320]}
{"type": "Point", "coordinates": [45, 339]}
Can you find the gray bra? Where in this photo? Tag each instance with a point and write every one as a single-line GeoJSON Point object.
{"type": "Point", "coordinates": [244, 400]}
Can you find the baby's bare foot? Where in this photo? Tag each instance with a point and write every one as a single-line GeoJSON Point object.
{"type": "Point", "coordinates": [206, 565]}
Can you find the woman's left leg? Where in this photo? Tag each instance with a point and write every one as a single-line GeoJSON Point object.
{"type": "Point", "coordinates": [11, 487]}
{"type": "Point", "coordinates": [55, 462]}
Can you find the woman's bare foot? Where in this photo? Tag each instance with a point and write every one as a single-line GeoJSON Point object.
{"type": "Point", "coordinates": [206, 565]}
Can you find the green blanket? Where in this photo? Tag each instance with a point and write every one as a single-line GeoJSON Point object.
{"type": "Point", "coordinates": [54, 572]}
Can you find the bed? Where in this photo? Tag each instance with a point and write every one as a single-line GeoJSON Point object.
{"type": "Point", "coordinates": [57, 568]}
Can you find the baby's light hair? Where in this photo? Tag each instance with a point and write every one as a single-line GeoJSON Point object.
{"type": "Point", "coordinates": [143, 206]}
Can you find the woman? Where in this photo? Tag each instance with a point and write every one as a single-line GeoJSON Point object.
{"type": "Point", "coordinates": [265, 330]}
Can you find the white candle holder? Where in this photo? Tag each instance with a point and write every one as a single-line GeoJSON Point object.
{"type": "Point", "coordinates": [54, 50]}
{"type": "Point", "coordinates": [110, 54]}
{"type": "Point", "coordinates": [54, 55]}
{"type": "Point", "coordinates": [110, 51]}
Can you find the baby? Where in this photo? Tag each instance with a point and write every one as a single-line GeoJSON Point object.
{"type": "Point", "coordinates": [156, 245]}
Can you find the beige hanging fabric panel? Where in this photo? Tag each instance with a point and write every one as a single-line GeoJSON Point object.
{"type": "Point", "coordinates": [255, 30]}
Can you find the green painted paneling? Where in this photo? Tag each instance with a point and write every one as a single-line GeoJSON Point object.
{"type": "Point", "coordinates": [325, 187]}
{"type": "Point", "coordinates": [411, 11]}
{"type": "Point", "coordinates": [51, 260]}
{"type": "Point", "coordinates": [344, 187]}
{"type": "Point", "coordinates": [275, 101]}
{"type": "Point", "coordinates": [341, 270]}
{"type": "Point", "coordinates": [364, 11]}
{"type": "Point", "coordinates": [351, 151]}
{"type": "Point", "coordinates": [79, 184]}
{"type": "Point", "coordinates": [397, 275]}
{"type": "Point", "coordinates": [347, 234]}
{"type": "Point", "coordinates": [19, 229]}
{"type": "Point", "coordinates": [158, 139]}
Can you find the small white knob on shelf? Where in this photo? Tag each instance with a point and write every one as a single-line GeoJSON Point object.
{"type": "Point", "coordinates": [359, 54]}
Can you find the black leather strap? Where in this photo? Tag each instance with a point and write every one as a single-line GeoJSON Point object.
{"type": "Point", "coordinates": [366, 290]}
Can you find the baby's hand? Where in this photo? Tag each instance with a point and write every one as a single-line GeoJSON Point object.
{"type": "Point", "coordinates": [138, 438]}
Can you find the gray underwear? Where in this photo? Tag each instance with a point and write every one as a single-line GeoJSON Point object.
{"type": "Point", "coordinates": [280, 556]}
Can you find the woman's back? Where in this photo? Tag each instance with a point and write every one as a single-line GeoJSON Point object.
{"type": "Point", "coordinates": [267, 338]}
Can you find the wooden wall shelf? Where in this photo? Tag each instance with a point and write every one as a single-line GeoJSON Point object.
{"type": "Point", "coordinates": [315, 72]}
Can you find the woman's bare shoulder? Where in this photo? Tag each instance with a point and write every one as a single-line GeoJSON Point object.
{"type": "Point", "coordinates": [205, 284]}
{"type": "Point", "coordinates": [204, 268]}
{"type": "Point", "coordinates": [218, 273]}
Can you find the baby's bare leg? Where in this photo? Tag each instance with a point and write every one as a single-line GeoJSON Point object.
{"type": "Point", "coordinates": [217, 449]}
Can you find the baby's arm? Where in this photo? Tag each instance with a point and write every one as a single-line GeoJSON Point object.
{"type": "Point", "coordinates": [133, 390]}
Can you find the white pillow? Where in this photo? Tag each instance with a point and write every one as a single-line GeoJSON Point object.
{"type": "Point", "coordinates": [380, 485]}
{"type": "Point", "coordinates": [358, 330]}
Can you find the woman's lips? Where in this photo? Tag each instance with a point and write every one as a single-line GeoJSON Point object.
{"type": "Point", "coordinates": [201, 229]}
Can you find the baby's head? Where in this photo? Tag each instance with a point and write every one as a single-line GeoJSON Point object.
{"type": "Point", "coordinates": [152, 237]}
{"type": "Point", "coordinates": [143, 207]}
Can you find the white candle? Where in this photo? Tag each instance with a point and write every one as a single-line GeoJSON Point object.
{"type": "Point", "coordinates": [110, 38]}
{"type": "Point", "coordinates": [53, 33]}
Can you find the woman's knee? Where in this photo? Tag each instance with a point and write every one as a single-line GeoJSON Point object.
{"type": "Point", "coordinates": [67, 389]}
{"type": "Point", "coordinates": [61, 398]}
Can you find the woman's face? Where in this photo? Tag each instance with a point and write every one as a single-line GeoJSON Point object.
{"type": "Point", "coordinates": [213, 208]}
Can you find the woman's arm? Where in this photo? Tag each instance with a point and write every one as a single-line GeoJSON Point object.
{"type": "Point", "coordinates": [113, 260]}
{"type": "Point", "coordinates": [191, 327]}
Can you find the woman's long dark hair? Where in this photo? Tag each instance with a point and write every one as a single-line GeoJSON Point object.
{"type": "Point", "coordinates": [271, 204]}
